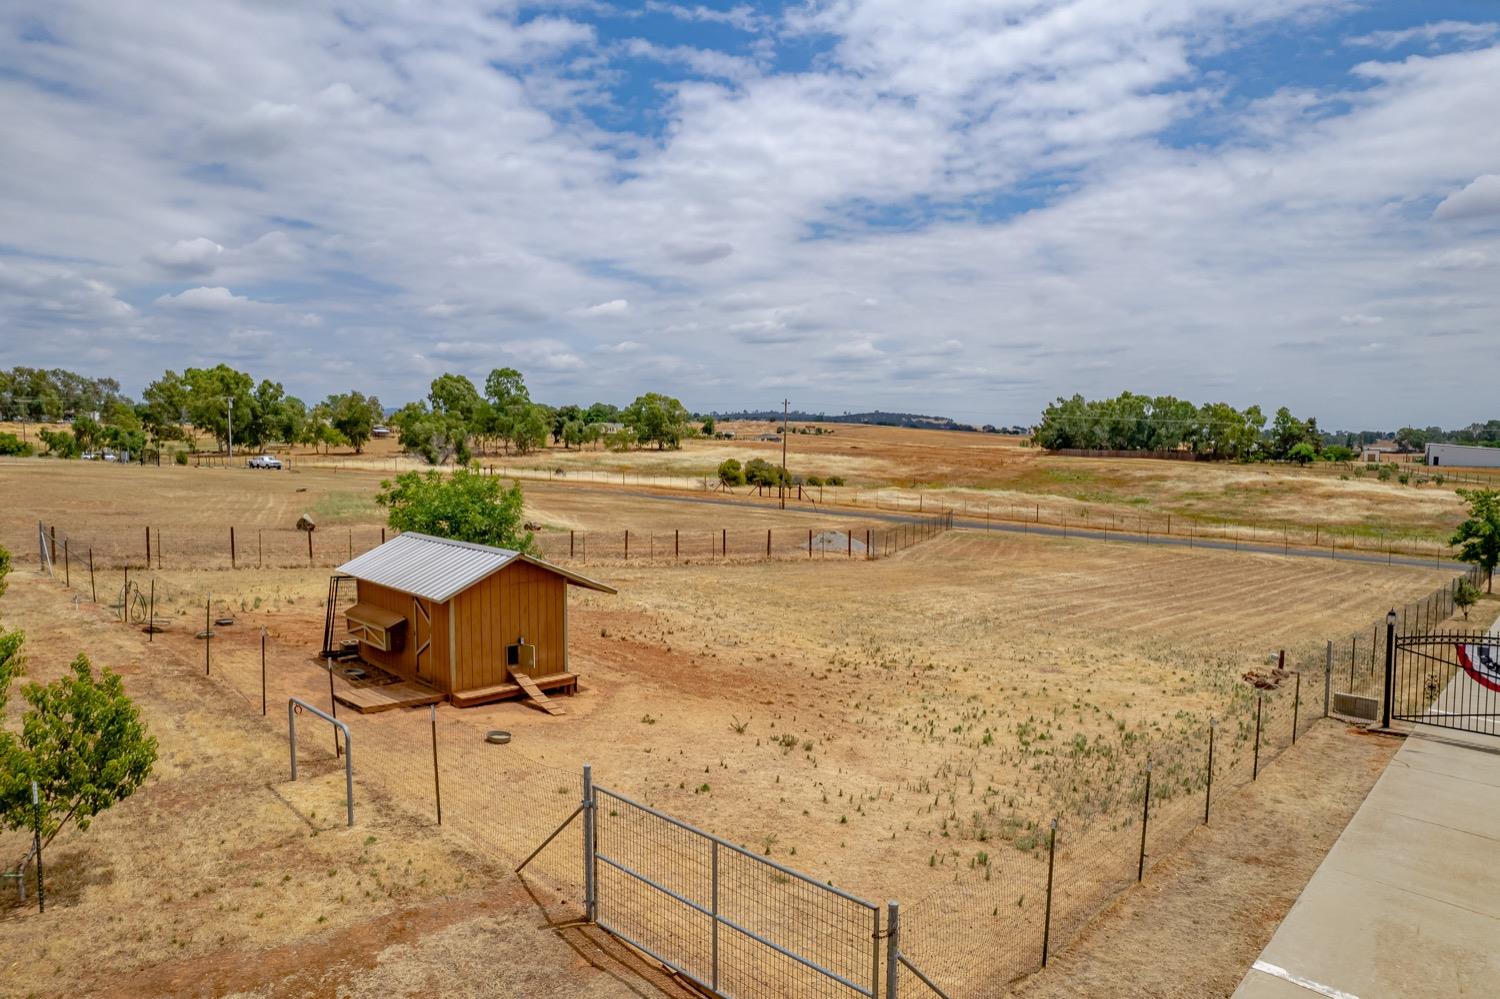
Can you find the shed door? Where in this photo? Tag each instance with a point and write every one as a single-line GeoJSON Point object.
{"type": "Point", "coordinates": [421, 637]}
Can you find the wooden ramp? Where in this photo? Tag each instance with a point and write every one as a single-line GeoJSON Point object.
{"type": "Point", "coordinates": [565, 682]}
{"type": "Point", "coordinates": [383, 697]}
{"type": "Point", "coordinates": [536, 697]}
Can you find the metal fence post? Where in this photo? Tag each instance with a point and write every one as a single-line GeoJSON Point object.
{"type": "Point", "coordinates": [1260, 699]}
{"type": "Point", "coordinates": [1140, 870]}
{"type": "Point", "coordinates": [590, 900]}
{"type": "Point", "coordinates": [262, 671]}
{"type": "Point", "coordinates": [1208, 791]}
{"type": "Point", "coordinates": [713, 856]}
{"type": "Point", "coordinates": [437, 788]}
{"type": "Point", "coordinates": [892, 947]}
{"type": "Point", "coordinates": [1390, 669]}
{"type": "Point", "coordinates": [36, 808]}
{"type": "Point", "coordinates": [1047, 915]}
{"type": "Point", "coordinates": [1328, 678]}
{"type": "Point", "coordinates": [1296, 705]}
{"type": "Point", "coordinates": [208, 632]}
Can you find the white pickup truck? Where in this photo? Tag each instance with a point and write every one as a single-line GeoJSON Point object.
{"type": "Point", "coordinates": [264, 461]}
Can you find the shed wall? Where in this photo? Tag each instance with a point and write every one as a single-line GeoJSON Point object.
{"type": "Point", "coordinates": [520, 600]}
{"type": "Point", "coordinates": [402, 661]}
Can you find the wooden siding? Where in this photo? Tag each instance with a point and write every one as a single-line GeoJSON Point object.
{"type": "Point", "coordinates": [519, 601]}
{"type": "Point", "coordinates": [402, 661]}
{"type": "Point", "coordinates": [399, 660]}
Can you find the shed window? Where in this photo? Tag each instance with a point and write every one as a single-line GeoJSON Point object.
{"type": "Point", "coordinates": [375, 626]}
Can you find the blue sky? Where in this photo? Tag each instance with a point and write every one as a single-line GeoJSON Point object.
{"type": "Point", "coordinates": [959, 206]}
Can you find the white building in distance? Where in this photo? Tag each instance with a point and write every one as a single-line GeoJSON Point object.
{"type": "Point", "coordinates": [1463, 456]}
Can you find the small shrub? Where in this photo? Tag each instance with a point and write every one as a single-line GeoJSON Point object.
{"type": "Point", "coordinates": [834, 480]}
{"type": "Point", "coordinates": [813, 480]}
{"type": "Point", "coordinates": [180, 457]}
{"type": "Point", "coordinates": [12, 445]}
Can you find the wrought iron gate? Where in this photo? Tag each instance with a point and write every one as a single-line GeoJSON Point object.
{"type": "Point", "coordinates": [1450, 680]}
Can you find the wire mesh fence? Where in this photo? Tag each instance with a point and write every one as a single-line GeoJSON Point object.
{"type": "Point", "coordinates": [735, 922]}
{"type": "Point", "coordinates": [257, 547]}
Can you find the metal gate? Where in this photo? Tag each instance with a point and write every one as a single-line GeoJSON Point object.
{"type": "Point", "coordinates": [1451, 680]}
{"type": "Point", "coordinates": [737, 924]}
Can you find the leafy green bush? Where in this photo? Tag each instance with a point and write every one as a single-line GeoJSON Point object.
{"type": "Point", "coordinates": [834, 480]}
{"type": "Point", "coordinates": [60, 443]}
{"type": "Point", "coordinates": [465, 506]}
{"type": "Point", "coordinates": [180, 457]}
{"type": "Point", "coordinates": [759, 472]}
{"type": "Point", "coordinates": [12, 445]}
{"type": "Point", "coordinates": [813, 480]}
{"type": "Point", "coordinates": [731, 473]}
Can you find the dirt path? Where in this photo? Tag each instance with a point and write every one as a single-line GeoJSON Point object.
{"type": "Point", "coordinates": [1205, 912]}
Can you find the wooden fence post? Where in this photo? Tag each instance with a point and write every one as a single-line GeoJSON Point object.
{"type": "Point", "coordinates": [232, 560]}
{"type": "Point", "coordinates": [310, 564]}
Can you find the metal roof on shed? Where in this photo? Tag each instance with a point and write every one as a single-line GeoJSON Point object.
{"type": "Point", "coordinates": [439, 568]}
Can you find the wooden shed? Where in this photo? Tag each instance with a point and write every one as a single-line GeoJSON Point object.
{"type": "Point", "coordinates": [471, 623]}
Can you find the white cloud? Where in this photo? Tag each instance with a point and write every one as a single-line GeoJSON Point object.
{"type": "Point", "coordinates": [1479, 199]}
{"type": "Point", "coordinates": [1360, 319]}
{"type": "Point", "coordinates": [1458, 259]}
{"type": "Point", "coordinates": [206, 299]}
{"type": "Point", "coordinates": [623, 347]}
{"type": "Point", "coordinates": [614, 307]}
{"type": "Point", "coordinates": [1438, 31]}
{"type": "Point", "coordinates": [187, 256]}
{"type": "Point", "coordinates": [950, 180]}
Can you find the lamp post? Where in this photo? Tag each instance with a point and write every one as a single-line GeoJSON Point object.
{"type": "Point", "coordinates": [1390, 668]}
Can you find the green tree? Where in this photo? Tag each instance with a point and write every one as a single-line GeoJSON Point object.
{"type": "Point", "coordinates": [1466, 595]}
{"type": "Point", "coordinates": [1411, 439]}
{"type": "Point", "coordinates": [88, 432]}
{"type": "Point", "coordinates": [708, 426]}
{"type": "Point", "coordinates": [656, 419]}
{"type": "Point", "coordinates": [13, 446]}
{"type": "Point", "coordinates": [454, 396]}
{"type": "Point", "coordinates": [759, 472]}
{"type": "Point", "coordinates": [731, 473]}
{"type": "Point", "coordinates": [465, 506]}
{"type": "Point", "coordinates": [83, 743]}
{"type": "Point", "coordinates": [354, 415]}
{"type": "Point", "coordinates": [1479, 535]}
{"type": "Point", "coordinates": [574, 433]}
{"type": "Point", "coordinates": [529, 427]}
{"type": "Point", "coordinates": [209, 392]}
{"type": "Point", "coordinates": [61, 443]}
{"type": "Point", "coordinates": [1302, 453]}
{"type": "Point", "coordinates": [164, 406]}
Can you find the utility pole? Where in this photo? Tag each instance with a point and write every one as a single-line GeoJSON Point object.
{"type": "Point", "coordinates": [782, 482]}
{"type": "Point", "coordinates": [231, 428]}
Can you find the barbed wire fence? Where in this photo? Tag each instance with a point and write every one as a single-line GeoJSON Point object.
{"type": "Point", "coordinates": [772, 931]}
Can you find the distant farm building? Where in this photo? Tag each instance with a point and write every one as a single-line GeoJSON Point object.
{"type": "Point", "coordinates": [1463, 456]}
{"type": "Point", "coordinates": [469, 623]}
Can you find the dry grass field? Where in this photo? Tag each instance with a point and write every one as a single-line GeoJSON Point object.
{"type": "Point", "coordinates": [902, 727]}
{"type": "Point", "coordinates": [976, 472]}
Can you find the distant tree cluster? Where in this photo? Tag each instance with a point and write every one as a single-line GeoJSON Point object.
{"type": "Point", "coordinates": [53, 396]}
{"type": "Point", "coordinates": [457, 421]}
{"type": "Point", "coordinates": [1130, 422]}
{"type": "Point", "coordinates": [200, 398]}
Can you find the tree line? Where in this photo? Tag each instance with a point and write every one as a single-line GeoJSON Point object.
{"type": "Point", "coordinates": [1131, 422]}
{"type": "Point", "coordinates": [457, 420]}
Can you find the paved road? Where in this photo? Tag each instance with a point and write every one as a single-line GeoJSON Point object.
{"type": "Point", "coordinates": [1044, 530]}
